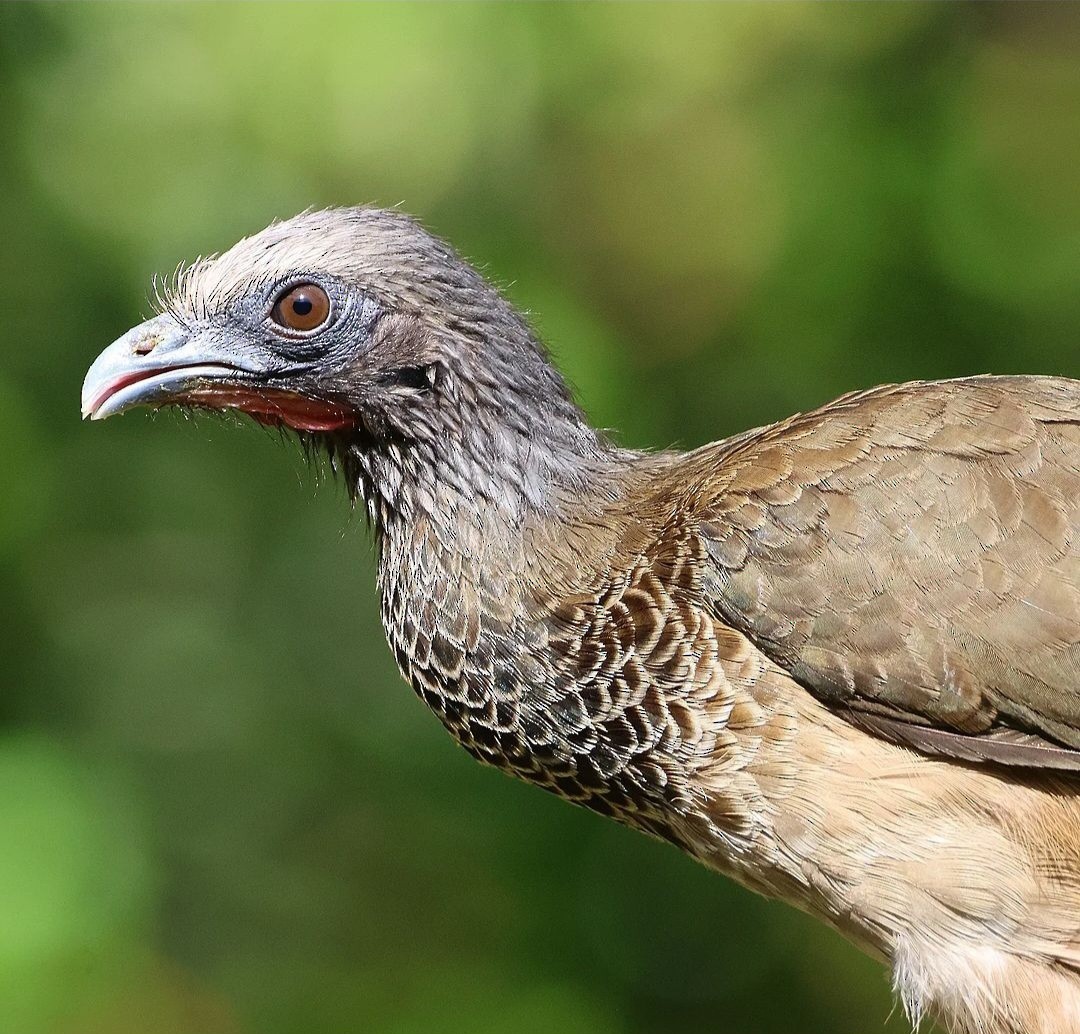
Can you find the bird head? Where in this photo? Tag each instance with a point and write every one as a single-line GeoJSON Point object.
{"type": "Point", "coordinates": [350, 322]}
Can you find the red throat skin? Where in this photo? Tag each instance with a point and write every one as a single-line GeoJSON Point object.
{"type": "Point", "coordinates": [274, 408]}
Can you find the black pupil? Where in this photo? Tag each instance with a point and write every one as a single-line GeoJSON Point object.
{"type": "Point", "coordinates": [302, 305]}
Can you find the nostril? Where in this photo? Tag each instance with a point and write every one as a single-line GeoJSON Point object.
{"type": "Point", "coordinates": [145, 345]}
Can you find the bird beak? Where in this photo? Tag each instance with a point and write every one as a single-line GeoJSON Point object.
{"type": "Point", "coordinates": [152, 364]}
{"type": "Point", "coordinates": [160, 362]}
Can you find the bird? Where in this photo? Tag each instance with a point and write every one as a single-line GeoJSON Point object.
{"type": "Point", "coordinates": [836, 659]}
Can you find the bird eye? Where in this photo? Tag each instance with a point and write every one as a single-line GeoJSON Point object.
{"type": "Point", "coordinates": [304, 307]}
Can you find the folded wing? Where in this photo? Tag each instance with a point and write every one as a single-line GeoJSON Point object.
{"type": "Point", "coordinates": [911, 554]}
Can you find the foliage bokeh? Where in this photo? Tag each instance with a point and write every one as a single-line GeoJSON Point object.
{"type": "Point", "coordinates": [220, 810]}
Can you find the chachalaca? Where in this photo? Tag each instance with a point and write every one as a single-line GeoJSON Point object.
{"type": "Point", "coordinates": [837, 658]}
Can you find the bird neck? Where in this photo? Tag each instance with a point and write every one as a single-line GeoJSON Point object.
{"type": "Point", "coordinates": [456, 515]}
{"type": "Point", "coordinates": [479, 540]}
{"type": "Point", "coordinates": [484, 470]}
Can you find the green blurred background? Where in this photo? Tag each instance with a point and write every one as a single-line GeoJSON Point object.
{"type": "Point", "coordinates": [220, 810]}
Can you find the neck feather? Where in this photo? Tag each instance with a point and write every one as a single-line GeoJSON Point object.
{"type": "Point", "coordinates": [478, 545]}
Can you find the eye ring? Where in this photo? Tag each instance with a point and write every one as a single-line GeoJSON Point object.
{"type": "Point", "coordinates": [303, 308]}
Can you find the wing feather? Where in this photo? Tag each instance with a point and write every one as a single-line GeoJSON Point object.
{"type": "Point", "coordinates": [913, 549]}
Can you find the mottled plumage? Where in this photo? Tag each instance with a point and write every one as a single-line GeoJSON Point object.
{"type": "Point", "coordinates": [734, 649]}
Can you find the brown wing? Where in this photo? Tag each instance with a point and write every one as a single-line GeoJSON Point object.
{"type": "Point", "coordinates": [912, 554]}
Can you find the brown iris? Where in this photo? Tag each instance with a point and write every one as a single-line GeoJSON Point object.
{"type": "Point", "coordinates": [303, 307]}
